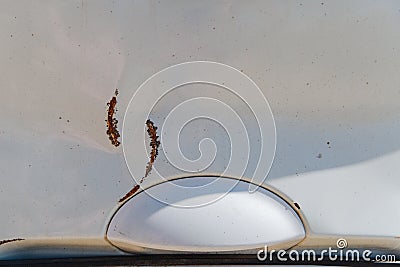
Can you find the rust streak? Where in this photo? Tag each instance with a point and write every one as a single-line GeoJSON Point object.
{"type": "Point", "coordinates": [130, 193]}
{"type": "Point", "coordinates": [112, 122]}
{"type": "Point", "coordinates": [154, 144]}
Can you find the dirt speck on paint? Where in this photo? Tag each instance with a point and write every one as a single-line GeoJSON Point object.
{"type": "Point", "coordinates": [297, 205]}
{"type": "Point", "coordinates": [112, 122]}
{"type": "Point", "coordinates": [154, 145]}
{"type": "Point", "coordinates": [2, 242]}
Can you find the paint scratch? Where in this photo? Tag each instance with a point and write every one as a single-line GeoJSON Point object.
{"type": "Point", "coordinates": [2, 242]}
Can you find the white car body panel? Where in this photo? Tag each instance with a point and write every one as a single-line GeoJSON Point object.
{"type": "Point", "coordinates": [330, 73]}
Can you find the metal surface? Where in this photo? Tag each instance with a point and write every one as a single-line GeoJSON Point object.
{"type": "Point", "coordinates": [329, 70]}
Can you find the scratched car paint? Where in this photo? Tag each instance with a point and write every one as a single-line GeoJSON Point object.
{"type": "Point", "coordinates": [329, 72]}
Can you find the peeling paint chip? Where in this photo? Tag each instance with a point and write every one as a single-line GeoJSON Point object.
{"type": "Point", "coordinates": [112, 122]}
{"type": "Point", "coordinates": [2, 242]}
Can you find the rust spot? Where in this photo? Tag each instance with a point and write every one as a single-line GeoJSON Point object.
{"type": "Point", "coordinates": [112, 122]}
{"type": "Point", "coordinates": [154, 144]}
{"type": "Point", "coordinates": [297, 205]}
{"type": "Point", "coordinates": [2, 242]}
